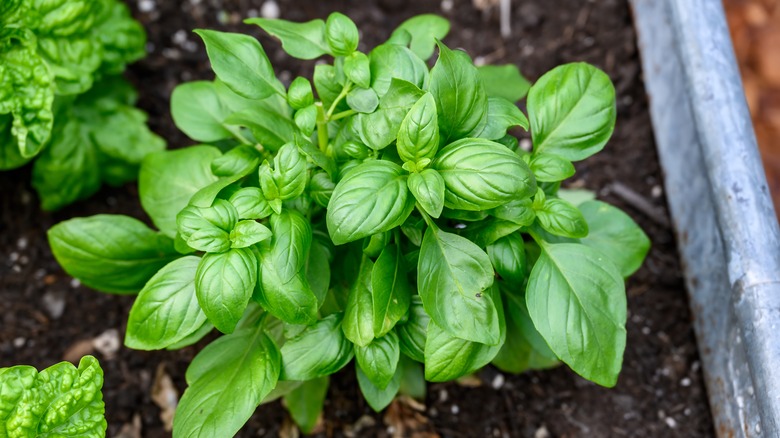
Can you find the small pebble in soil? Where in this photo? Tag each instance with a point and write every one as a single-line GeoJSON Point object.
{"type": "Point", "coordinates": [685, 382]}
{"type": "Point", "coordinates": [525, 144]}
{"type": "Point", "coordinates": [447, 5]}
{"type": "Point", "coordinates": [54, 303]}
{"type": "Point", "coordinates": [74, 283]}
{"type": "Point", "coordinates": [107, 343]}
{"type": "Point", "coordinates": [443, 396]}
{"type": "Point", "coordinates": [498, 381]}
{"type": "Point", "coordinates": [542, 432]}
{"type": "Point", "coordinates": [455, 409]}
{"type": "Point", "coordinates": [22, 243]}
{"type": "Point", "coordinates": [19, 342]}
{"type": "Point", "coordinates": [252, 13]}
{"type": "Point", "coordinates": [270, 9]}
{"type": "Point", "coordinates": [645, 330]}
{"type": "Point", "coordinates": [671, 422]}
{"type": "Point", "coordinates": [656, 191]}
{"type": "Point", "coordinates": [146, 6]}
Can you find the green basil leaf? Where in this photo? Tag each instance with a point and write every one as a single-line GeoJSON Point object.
{"type": "Point", "coordinates": [247, 233]}
{"type": "Point", "coordinates": [572, 111]}
{"type": "Point", "coordinates": [412, 333]}
{"type": "Point", "coordinates": [358, 315]}
{"type": "Point", "coordinates": [321, 189]}
{"type": "Point", "coordinates": [577, 301]}
{"type": "Point", "coordinates": [241, 63]}
{"type": "Point", "coordinates": [270, 129]}
{"type": "Point", "coordinates": [481, 174]}
{"type": "Point", "coordinates": [341, 34]}
{"type": "Point", "coordinates": [519, 211]}
{"type": "Point", "coordinates": [291, 243]}
{"type": "Point", "coordinates": [227, 381]}
{"type": "Point", "coordinates": [373, 246]}
{"type": "Point", "coordinates": [504, 81]}
{"type": "Point", "coordinates": [507, 255]}
{"type": "Point", "coordinates": [169, 179]}
{"type": "Point", "coordinates": [328, 86]}
{"type": "Point", "coordinates": [380, 128]}
{"type": "Point", "coordinates": [391, 290]}
{"type": "Point", "coordinates": [390, 62]}
{"type": "Point", "coordinates": [448, 357]}
{"type": "Point", "coordinates": [488, 231]}
{"type": "Point", "coordinates": [452, 276]}
{"type": "Point", "coordinates": [289, 174]}
{"type": "Point", "coordinates": [110, 253]}
{"type": "Point", "coordinates": [377, 398]}
{"type": "Point", "coordinates": [299, 95]}
{"type": "Point", "coordinates": [456, 86]}
{"type": "Point", "coordinates": [306, 119]}
{"type": "Point", "coordinates": [193, 337]}
{"type": "Point", "coordinates": [412, 379]}
{"type": "Point", "coordinates": [60, 399]}
{"type": "Point", "coordinates": [10, 155]}
{"type": "Point", "coordinates": [238, 161]}
{"type": "Point", "coordinates": [428, 188]}
{"type": "Point", "coordinates": [318, 268]}
{"type": "Point", "coordinates": [320, 350]}
{"type": "Point", "coordinates": [166, 310]}
{"type": "Point", "coordinates": [524, 349]}
{"type": "Point", "coordinates": [501, 115]}
{"type": "Point", "coordinates": [418, 135]}
{"type": "Point", "coordinates": [223, 285]}
{"type": "Point", "coordinates": [560, 218]}
{"type": "Point", "coordinates": [424, 30]}
{"type": "Point", "coordinates": [371, 198]}
{"type": "Point", "coordinates": [305, 403]}
{"type": "Point", "coordinates": [379, 359]}
{"type": "Point", "coordinates": [222, 214]}
{"type": "Point", "coordinates": [551, 168]}
{"type": "Point", "coordinates": [576, 196]}
{"type": "Point", "coordinates": [357, 69]}
{"type": "Point", "coordinates": [615, 234]}
{"type": "Point", "coordinates": [300, 40]}
{"type": "Point", "coordinates": [362, 100]}
{"type": "Point", "coordinates": [250, 203]}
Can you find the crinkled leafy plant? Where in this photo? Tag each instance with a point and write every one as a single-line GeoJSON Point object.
{"type": "Point", "coordinates": [60, 401]}
{"type": "Point", "coordinates": [387, 217]}
{"type": "Point", "coordinates": [62, 99]}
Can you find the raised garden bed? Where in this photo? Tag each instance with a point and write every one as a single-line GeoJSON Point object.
{"type": "Point", "coordinates": [660, 392]}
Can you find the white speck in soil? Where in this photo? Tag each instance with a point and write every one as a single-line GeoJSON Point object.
{"type": "Point", "coordinates": [443, 396]}
{"type": "Point", "coordinates": [670, 422]}
{"type": "Point", "coordinates": [455, 409]}
{"type": "Point", "coordinates": [656, 191]}
{"type": "Point", "coordinates": [687, 412]}
{"type": "Point", "coordinates": [54, 303]}
{"type": "Point", "coordinates": [146, 6]}
{"type": "Point", "coordinates": [170, 54]}
{"type": "Point", "coordinates": [685, 381]}
{"type": "Point", "coordinates": [107, 343]}
{"type": "Point", "coordinates": [447, 5]}
{"type": "Point", "coordinates": [270, 9]}
{"type": "Point", "coordinates": [13, 257]}
{"type": "Point", "coordinates": [645, 330]}
{"type": "Point", "coordinates": [180, 37]}
{"type": "Point", "coordinates": [24, 260]}
{"type": "Point", "coordinates": [527, 50]}
{"type": "Point", "coordinates": [19, 342]}
{"type": "Point", "coordinates": [498, 381]}
{"type": "Point", "coordinates": [22, 243]}
{"type": "Point", "coordinates": [758, 427]}
{"type": "Point", "coordinates": [74, 283]}
{"type": "Point", "coordinates": [525, 144]}
{"type": "Point", "coordinates": [223, 17]}
{"type": "Point", "coordinates": [252, 13]}
{"type": "Point", "coordinates": [39, 274]}
{"type": "Point", "coordinates": [542, 432]}
{"type": "Point", "coordinates": [16, 268]}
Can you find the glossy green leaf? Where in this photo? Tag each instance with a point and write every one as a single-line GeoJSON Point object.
{"type": "Point", "coordinates": [305, 403]}
{"type": "Point", "coordinates": [250, 203]}
{"type": "Point", "coordinates": [519, 211]}
{"type": "Point", "coordinates": [377, 398]}
{"type": "Point", "coordinates": [341, 34]}
{"type": "Point", "coordinates": [412, 379]}
{"type": "Point", "coordinates": [412, 333]}
{"type": "Point", "coordinates": [550, 168]}
{"type": "Point", "coordinates": [390, 290]}
{"type": "Point", "coordinates": [459, 93]}
{"type": "Point", "coordinates": [501, 115]}
{"type": "Point", "coordinates": [166, 310]}
{"type": "Point", "coordinates": [616, 235]}
{"type": "Point", "coordinates": [572, 111]}
{"type": "Point", "coordinates": [270, 129]}
{"type": "Point", "coordinates": [380, 129]}
{"type": "Point", "coordinates": [169, 179]}
{"type": "Point", "coordinates": [561, 218]}
{"type": "Point", "coordinates": [238, 161]}
{"type": "Point", "coordinates": [111, 253]}
{"type": "Point", "coordinates": [224, 284]}
{"type": "Point", "coordinates": [357, 69]}
{"type": "Point", "coordinates": [61, 400]}
{"type": "Point", "coordinates": [358, 314]}
{"type": "Point", "coordinates": [488, 231]}
{"type": "Point", "coordinates": [390, 62]}
{"type": "Point", "coordinates": [300, 95]}
{"type": "Point", "coordinates": [524, 349]}
{"type": "Point", "coordinates": [452, 276]}
{"type": "Point", "coordinates": [362, 100]}
{"type": "Point", "coordinates": [504, 81]}
{"type": "Point", "coordinates": [247, 233]}
{"type": "Point", "coordinates": [428, 189]}
{"type": "Point", "coordinates": [507, 255]}
{"type": "Point", "coordinates": [318, 268]}
{"type": "Point", "coordinates": [300, 40]}
{"type": "Point", "coordinates": [370, 199]}
{"type": "Point", "coordinates": [227, 381]}
{"type": "Point", "coordinates": [418, 135]}
{"type": "Point", "coordinates": [241, 63]}
{"type": "Point", "coordinates": [379, 359]}
{"type": "Point", "coordinates": [481, 174]}
{"type": "Point", "coordinates": [320, 350]}
{"type": "Point", "coordinates": [289, 175]}
{"type": "Point", "coordinates": [577, 301]}
{"type": "Point", "coordinates": [424, 30]}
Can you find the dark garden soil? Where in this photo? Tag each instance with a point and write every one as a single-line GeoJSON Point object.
{"type": "Point", "coordinates": [45, 316]}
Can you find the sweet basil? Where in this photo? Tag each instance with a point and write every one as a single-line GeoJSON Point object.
{"type": "Point", "coordinates": [383, 214]}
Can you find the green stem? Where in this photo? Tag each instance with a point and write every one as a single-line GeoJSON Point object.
{"type": "Point", "coordinates": [343, 114]}
{"type": "Point", "coordinates": [236, 131]}
{"type": "Point", "coordinates": [427, 218]}
{"type": "Point", "coordinates": [322, 127]}
{"type": "Point", "coordinates": [341, 95]}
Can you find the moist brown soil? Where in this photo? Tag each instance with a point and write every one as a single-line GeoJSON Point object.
{"type": "Point", "coordinates": [660, 392]}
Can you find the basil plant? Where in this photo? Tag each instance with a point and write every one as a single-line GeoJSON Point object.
{"type": "Point", "coordinates": [383, 214]}
{"type": "Point", "coordinates": [62, 97]}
